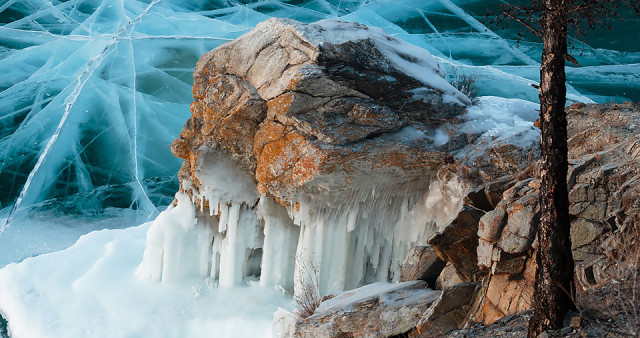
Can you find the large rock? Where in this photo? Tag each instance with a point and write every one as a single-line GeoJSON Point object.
{"type": "Point", "coordinates": [375, 310]}
{"type": "Point", "coordinates": [450, 311]}
{"type": "Point", "coordinates": [308, 108]}
{"type": "Point", "coordinates": [422, 263]}
{"type": "Point", "coordinates": [457, 243]}
{"type": "Point", "coordinates": [603, 202]}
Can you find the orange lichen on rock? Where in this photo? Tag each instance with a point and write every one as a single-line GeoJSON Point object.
{"type": "Point", "coordinates": [279, 156]}
{"type": "Point", "coordinates": [303, 115]}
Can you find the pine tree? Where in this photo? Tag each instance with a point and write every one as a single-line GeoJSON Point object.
{"type": "Point", "coordinates": [552, 21]}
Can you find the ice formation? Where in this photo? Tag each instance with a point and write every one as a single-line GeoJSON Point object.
{"type": "Point", "coordinates": [90, 291]}
{"type": "Point", "coordinates": [354, 237]}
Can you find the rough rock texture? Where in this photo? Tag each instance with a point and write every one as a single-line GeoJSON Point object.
{"type": "Point", "coordinates": [375, 310]}
{"type": "Point", "coordinates": [422, 263]}
{"type": "Point", "coordinates": [451, 309]}
{"type": "Point", "coordinates": [604, 195]}
{"type": "Point", "coordinates": [448, 277]}
{"type": "Point", "coordinates": [457, 243]}
{"type": "Point", "coordinates": [304, 109]}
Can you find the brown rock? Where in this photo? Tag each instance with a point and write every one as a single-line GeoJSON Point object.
{"type": "Point", "coordinates": [491, 224]}
{"type": "Point", "coordinates": [495, 189]}
{"type": "Point", "coordinates": [506, 295]}
{"type": "Point", "coordinates": [422, 263]}
{"type": "Point", "coordinates": [509, 264]}
{"type": "Point", "coordinates": [450, 310]}
{"type": "Point", "coordinates": [478, 198]}
{"type": "Point", "coordinates": [457, 243]}
{"type": "Point", "coordinates": [304, 113]}
{"type": "Point", "coordinates": [448, 277]}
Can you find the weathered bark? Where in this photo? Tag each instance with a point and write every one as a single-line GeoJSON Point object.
{"type": "Point", "coordinates": [554, 287]}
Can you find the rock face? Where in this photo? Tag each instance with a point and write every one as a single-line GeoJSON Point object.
{"type": "Point", "coordinates": [493, 237]}
{"type": "Point", "coordinates": [375, 310]}
{"type": "Point", "coordinates": [603, 195]}
{"type": "Point", "coordinates": [308, 108]}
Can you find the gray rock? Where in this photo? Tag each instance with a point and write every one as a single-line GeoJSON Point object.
{"type": "Point", "coordinates": [584, 232]}
{"type": "Point", "coordinates": [375, 310]}
{"type": "Point", "coordinates": [491, 224]}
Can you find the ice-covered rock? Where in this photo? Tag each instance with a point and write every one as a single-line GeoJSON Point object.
{"type": "Point", "coordinates": [320, 142]}
{"type": "Point", "coordinates": [375, 310]}
{"type": "Point", "coordinates": [309, 108]}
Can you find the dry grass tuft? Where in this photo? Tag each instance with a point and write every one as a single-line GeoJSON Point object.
{"type": "Point", "coordinates": [616, 298]}
{"type": "Point", "coordinates": [307, 286]}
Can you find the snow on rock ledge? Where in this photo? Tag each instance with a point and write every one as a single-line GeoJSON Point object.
{"type": "Point", "coordinates": [375, 310]}
{"type": "Point", "coordinates": [320, 142]}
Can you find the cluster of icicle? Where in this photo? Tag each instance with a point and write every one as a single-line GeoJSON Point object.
{"type": "Point", "coordinates": [353, 238]}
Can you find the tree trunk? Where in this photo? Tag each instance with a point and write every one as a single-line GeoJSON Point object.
{"type": "Point", "coordinates": [554, 288]}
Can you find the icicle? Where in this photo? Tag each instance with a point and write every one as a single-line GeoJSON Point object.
{"type": "Point", "coordinates": [229, 269]}
{"type": "Point", "coordinates": [351, 237]}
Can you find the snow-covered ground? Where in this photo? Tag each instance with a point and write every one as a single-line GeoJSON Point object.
{"type": "Point", "coordinates": [40, 232]}
{"type": "Point", "coordinates": [90, 290]}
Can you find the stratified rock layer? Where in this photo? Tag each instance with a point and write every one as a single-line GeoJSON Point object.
{"type": "Point", "coordinates": [324, 142]}
{"type": "Point", "coordinates": [603, 182]}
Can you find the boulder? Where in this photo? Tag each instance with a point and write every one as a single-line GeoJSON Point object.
{"type": "Point", "coordinates": [375, 310]}
{"type": "Point", "coordinates": [308, 108]}
{"type": "Point", "coordinates": [508, 231]}
{"type": "Point", "coordinates": [457, 243]}
{"type": "Point", "coordinates": [491, 224]}
{"type": "Point", "coordinates": [448, 277]}
{"type": "Point", "coordinates": [422, 263]}
{"type": "Point", "coordinates": [450, 311]}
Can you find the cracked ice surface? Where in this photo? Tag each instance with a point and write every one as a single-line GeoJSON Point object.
{"type": "Point", "coordinates": [93, 92]}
